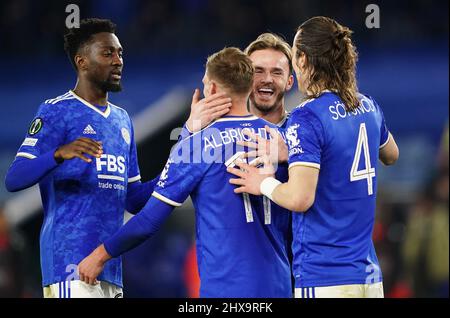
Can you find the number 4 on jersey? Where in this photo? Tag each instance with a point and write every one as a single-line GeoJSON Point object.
{"type": "Point", "coordinates": [369, 172]}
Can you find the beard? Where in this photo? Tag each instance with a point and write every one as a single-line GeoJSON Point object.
{"type": "Point", "coordinates": [108, 86]}
{"type": "Point", "coordinates": [267, 108]}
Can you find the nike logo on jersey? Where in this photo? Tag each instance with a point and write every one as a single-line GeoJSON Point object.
{"type": "Point", "coordinates": [89, 130]}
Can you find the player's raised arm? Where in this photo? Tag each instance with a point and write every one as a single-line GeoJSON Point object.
{"type": "Point", "coordinates": [296, 195]}
{"type": "Point", "coordinates": [275, 147]}
{"type": "Point", "coordinates": [206, 110]}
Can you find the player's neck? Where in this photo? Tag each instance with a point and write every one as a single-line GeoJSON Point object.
{"type": "Point", "coordinates": [90, 93]}
{"type": "Point", "coordinates": [275, 116]}
{"type": "Point", "coordinates": [238, 108]}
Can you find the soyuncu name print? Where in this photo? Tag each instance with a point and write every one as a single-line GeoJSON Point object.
{"type": "Point", "coordinates": [339, 112]}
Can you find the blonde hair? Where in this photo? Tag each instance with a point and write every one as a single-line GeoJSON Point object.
{"type": "Point", "coordinates": [271, 41]}
{"type": "Point", "coordinates": [330, 59]}
{"type": "Point", "coordinates": [232, 68]}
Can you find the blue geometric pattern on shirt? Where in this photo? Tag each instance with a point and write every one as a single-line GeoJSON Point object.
{"type": "Point", "coordinates": [83, 202]}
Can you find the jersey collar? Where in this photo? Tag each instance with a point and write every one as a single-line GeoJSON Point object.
{"type": "Point", "coordinates": [236, 118]}
{"type": "Point", "coordinates": [86, 103]}
{"type": "Point", "coordinates": [283, 120]}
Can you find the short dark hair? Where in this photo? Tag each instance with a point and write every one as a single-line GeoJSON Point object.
{"type": "Point", "coordinates": [75, 38]}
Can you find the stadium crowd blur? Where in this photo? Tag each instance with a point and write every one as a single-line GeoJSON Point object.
{"type": "Point", "coordinates": [411, 233]}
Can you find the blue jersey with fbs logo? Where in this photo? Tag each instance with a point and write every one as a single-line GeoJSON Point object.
{"type": "Point", "coordinates": [84, 203]}
{"type": "Point", "coordinates": [333, 239]}
{"type": "Point", "coordinates": [241, 239]}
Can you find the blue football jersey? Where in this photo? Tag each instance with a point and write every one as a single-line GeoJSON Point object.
{"type": "Point", "coordinates": [333, 239]}
{"type": "Point", "coordinates": [84, 203]}
{"type": "Point", "coordinates": [241, 239]}
{"type": "Point", "coordinates": [282, 172]}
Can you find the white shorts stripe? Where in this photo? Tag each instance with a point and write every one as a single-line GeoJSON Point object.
{"type": "Point", "coordinates": [374, 290]}
{"type": "Point", "coordinates": [79, 289]}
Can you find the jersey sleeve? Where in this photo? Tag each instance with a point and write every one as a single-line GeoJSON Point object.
{"type": "Point", "coordinates": [185, 133]}
{"type": "Point", "coordinates": [45, 133]}
{"type": "Point", "coordinates": [133, 164]}
{"type": "Point", "coordinates": [305, 136]}
{"type": "Point", "coordinates": [384, 131]}
{"type": "Point", "coordinates": [182, 173]}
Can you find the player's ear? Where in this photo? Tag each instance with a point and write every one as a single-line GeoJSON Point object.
{"type": "Point", "coordinates": [213, 88]}
{"type": "Point", "coordinates": [80, 62]}
{"type": "Point", "coordinates": [290, 82]}
{"type": "Point", "coordinates": [302, 61]}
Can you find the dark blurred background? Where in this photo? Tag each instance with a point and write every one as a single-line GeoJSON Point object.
{"type": "Point", "coordinates": [403, 64]}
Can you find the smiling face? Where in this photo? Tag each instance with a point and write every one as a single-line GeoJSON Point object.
{"type": "Point", "coordinates": [103, 62]}
{"type": "Point", "coordinates": [271, 81]}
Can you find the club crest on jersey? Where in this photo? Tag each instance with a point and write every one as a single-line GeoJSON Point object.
{"type": "Point", "coordinates": [293, 140]}
{"type": "Point", "coordinates": [165, 174]}
{"type": "Point", "coordinates": [35, 126]}
{"type": "Point", "coordinates": [126, 135]}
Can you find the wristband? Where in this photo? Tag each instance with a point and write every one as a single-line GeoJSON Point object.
{"type": "Point", "coordinates": [268, 186]}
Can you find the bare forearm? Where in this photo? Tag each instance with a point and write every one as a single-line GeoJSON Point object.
{"type": "Point", "coordinates": [101, 254]}
{"type": "Point", "coordinates": [291, 197]}
{"type": "Point", "coordinates": [298, 193]}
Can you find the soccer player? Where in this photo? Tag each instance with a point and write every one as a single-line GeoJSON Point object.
{"type": "Point", "coordinates": [240, 239]}
{"type": "Point", "coordinates": [335, 138]}
{"type": "Point", "coordinates": [80, 149]}
{"type": "Point", "coordinates": [271, 57]}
